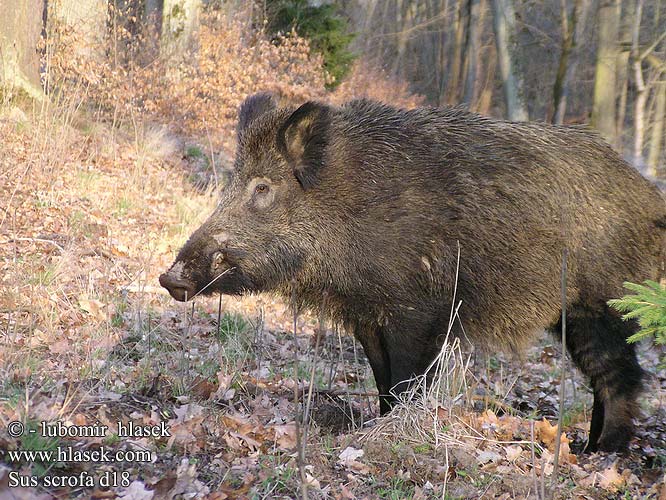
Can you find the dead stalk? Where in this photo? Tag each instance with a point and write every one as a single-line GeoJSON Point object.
{"type": "Point", "coordinates": [185, 350]}
{"type": "Point", "coordinates": [320, 333]}
{"type": "Point", "coordinates": [347, 393]}
{"type": "Point", "coordinates": [558, 437]}
{"type": "Point", "coordinates": [300, 443]}
{"type": "Point", "coordinates": [534, 476]}
{"type": "Point", "coordinates": [219, 317]}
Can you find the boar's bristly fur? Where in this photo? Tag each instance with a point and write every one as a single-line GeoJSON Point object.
{"type": "Point", "coordinates": [367, 204]}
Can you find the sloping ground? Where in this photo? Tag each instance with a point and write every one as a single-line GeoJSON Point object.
{"type": "Point", "coordinates": [89, 217]}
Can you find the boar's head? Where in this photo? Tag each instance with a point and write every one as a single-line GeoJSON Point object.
{"type": "Point", "coordinates": [260, 233]}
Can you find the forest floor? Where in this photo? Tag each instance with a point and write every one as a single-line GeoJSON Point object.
{"type": "Point", "coordinates": [90, 216]}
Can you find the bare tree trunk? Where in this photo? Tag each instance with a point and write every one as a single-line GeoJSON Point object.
{"type": "Point", "coordinates": [657, 135]}
{"type": "Point", "coordinates": [87, 21]}
{"type": "Point", "coordinates": [641, 88]}
{"type": "Point", "coordinates": [435, 44]}
{"type": "Point", "coordinates": [572, 30]}
{"type": "Point", "coordinates": [472, 51]}
{"type": "Point", "coordinates": [604, 105]}
{"type": "Point", "coordinates": [455, 68]}
{"type": "Point", "coordinates": [628, 12]}
{"type": "Point", "coordinates": [486, 96]}
{"type": "Point", "coordinates": [20, 31]}
{"type": "Point", "coordinates": [404, 18]}
{"type": "Point", "coordinates": [504, 20]}
{"type": "Point", "coordinates": [180, 22]}
{"type": "Point", "coordinates": [443, 49]}
{"type": "Point", "coordinates": [153, 14]}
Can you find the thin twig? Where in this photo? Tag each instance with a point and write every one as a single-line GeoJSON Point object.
{"type": "Point", "coordinates": [37, 240]}
{"type": "Point", "coordinates": [259, 340]}
{"type": "Point", "coordinates": [212, 281]}
{"type": "Point", "coordinates": [306, 418]}
{"type": "Point", "coordinates": [543, 477]}
{"type": "Point", "coordinates": [219, 318]}
{"type": "Point", "coordinates": [652, 46]}
{"type": "Point", "coordinates": [534, 476]}
{"type": "Point", "coordinates": [556, 462]}
{"type": "Point", "coordinates": [347, 393]}
{"type": "Point", "coordinates": [188, 344]}
{"type": "Point", "coordinates": [300, 448]}
{"type": "Point", "coordinates": [212, 156]}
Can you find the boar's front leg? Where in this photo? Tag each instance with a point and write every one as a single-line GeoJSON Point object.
{"type": "Point", "coordinates": [373, 343]}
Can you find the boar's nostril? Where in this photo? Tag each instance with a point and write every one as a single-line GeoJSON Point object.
{"type": "Point", "coordinates": [180, 289]}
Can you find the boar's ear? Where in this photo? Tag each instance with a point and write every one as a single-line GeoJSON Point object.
{"type": "Point", "coordinates": [302, 140]}
{"type": "Point", "coordinates": [253, 107]}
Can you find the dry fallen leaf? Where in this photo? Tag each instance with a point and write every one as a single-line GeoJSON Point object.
{"type": "Point", "coordinates": [311, 481]}
{"type": "Point", "coordinates": [348, 458]}
{"type": "Point", "coordinates": [136, 491]}
{"type": "Point", "coordinates": [285, 436]}
{"type": "Point", "coordinates": [610, 479]}
{"type": "Point", "coordinates": [546, 433]}
{"type": "Point", "coordinates": [223, 387]}
{"type": "Point", "coordinates": [349, 454]}
{"type": "Point", "coordinates": [488, 456]}
{"type": "Point", "coordinates": [203, 388]}
{"type": "Point", "coordinates": [187, 485]}
{"type": "Point", "coordinates": [513, 452]}
{"type": "Point", "coordinates": [93, 307]}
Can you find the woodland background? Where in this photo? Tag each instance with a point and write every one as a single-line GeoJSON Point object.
{"type": "Point", "coordinates": [574, 61]}
{"type": "Point", "coordinates": [117, 120]}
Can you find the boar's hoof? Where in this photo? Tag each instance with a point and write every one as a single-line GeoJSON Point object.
{"type": "Point", "coordinates": [180, 289]}
{"type": "Point", "coordinates": [617, 440]}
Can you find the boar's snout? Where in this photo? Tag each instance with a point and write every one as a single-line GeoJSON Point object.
{"type": "Point", "coordinates": [180, 289]}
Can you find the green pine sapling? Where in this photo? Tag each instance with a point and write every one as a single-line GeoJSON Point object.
{"type": "Point", "coordinates": [647, 306]}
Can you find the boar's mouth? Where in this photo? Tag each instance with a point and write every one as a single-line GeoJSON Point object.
{"type": "Point", "coordinates": [180, 289]}
{"type": "Point", "coordinates": [230, 281]}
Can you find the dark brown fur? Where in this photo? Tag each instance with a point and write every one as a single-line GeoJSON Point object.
{"type": "Point", "coordinates": [367, 204]}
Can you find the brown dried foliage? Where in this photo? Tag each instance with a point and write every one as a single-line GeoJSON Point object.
{"type": "Point", "coordinates": [367, 81]}
{"type": "Point", "coordinates": [200, 96]}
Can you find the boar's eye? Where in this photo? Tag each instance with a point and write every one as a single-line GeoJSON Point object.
{"type": "Point", "coordinates": [261, 189]}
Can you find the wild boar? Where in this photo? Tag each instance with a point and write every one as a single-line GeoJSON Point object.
{"type": "Point", "coordinates": [367, 204]}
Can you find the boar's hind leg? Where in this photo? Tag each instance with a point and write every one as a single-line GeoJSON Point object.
{"type": "Point", "coordinates": [373, 346]}
{"type": "Point", "coordinates": [596, 340]}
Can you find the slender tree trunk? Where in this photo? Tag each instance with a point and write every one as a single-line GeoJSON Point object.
{"type": "Point", "coordinates": [641, 88]}
{"type": "Point", "coordinates": [436, 43]}
{"type": "Point", "coordinates": [657, 135]}
{"type": "Point", "coordinates": [20, 31]}
{"type": "Point", "coordinates": [486, 96]}
{"type": "Point", "coordinates": [153, 14]}
{"type": "Point", "coordinates": [472, 51]}
{"type": "Point", "coordinates": [604, 105]}
{"type": "Point", "coordinates": [403, 21]}
{"type": "Point", "coordinates": [628, 12]}
{"type": "Point", "coordinates": [572, 30]}
{"type": "Point", "coordinates": [443, 44]}
{"type": "Point", "coordinates": [369, 16]}
{"type": "Point", "coordinates": [87, 20]}
{"type": "Point", "coordinates": [455, 68]}
{"type": "Point", "coordinates": [504, 20]}
{"type": "Point", "coordinates": [180, 22]}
